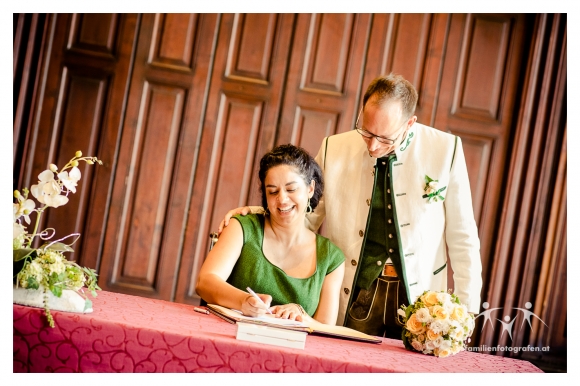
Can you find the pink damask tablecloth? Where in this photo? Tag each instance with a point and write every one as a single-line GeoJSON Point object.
{"type": "Point", "coordinates": [133, 334]}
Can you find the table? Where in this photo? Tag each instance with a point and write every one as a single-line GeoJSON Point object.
{"type": "Point", "coordinates": [134, 334]}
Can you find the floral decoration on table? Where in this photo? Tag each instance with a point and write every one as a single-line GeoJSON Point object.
{"type": "Point", "coordinates": [432, 190]}
{"type": "Point", "coordinates": [45, 268]}
{"type": "Point", "coordinates": [436, 324]}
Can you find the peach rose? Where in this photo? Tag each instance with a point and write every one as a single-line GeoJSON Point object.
{"type": "Point", "coordinates": [441, 353]}
{"type": "Point", "coordinates": [430, 299]}
{"type": "Point", "coordinates": [439, 312]}
{"type": "Point", "coordinates": [459, 313]}
{"type": "Point", "coordinates": [417, 345]}
{"type": "Point", "coordinates": [432, 335]}
{"type": "Point", "coordinates": [414, 326]}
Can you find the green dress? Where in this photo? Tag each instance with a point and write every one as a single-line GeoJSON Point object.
{"type": "Point", "coordinates": [254, 270]}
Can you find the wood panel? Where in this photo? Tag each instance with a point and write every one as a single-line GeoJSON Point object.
{"type": "Point", "coordinates": [481, 71]}
{"type": "Point", "coordinates": [95, 33]}
{"type": "Point", "coordinates": [77, 126]}
{"type": "Point", "coordinates": [324, 77]}
{"type": "Point", "coordinates": [173, 37]}
{"type": "Point", "coordinates": [144, 210]}
{"type": "Point", "coordinates": [250, 52]}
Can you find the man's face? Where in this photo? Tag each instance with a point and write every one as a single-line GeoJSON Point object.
{"type": "Point", "coordinates": [386, 121]}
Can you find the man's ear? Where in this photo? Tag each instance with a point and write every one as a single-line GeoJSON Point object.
{"type": "Point", "coordinates": [412, 121]}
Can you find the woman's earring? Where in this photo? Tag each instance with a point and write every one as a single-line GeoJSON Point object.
{"type": "Point", "coordinates": [267, 211]}
{"type": "Point", "coordinates": [308, 208]}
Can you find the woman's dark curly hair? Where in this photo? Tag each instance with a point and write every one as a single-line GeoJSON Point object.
{"type": "Point", "coordinates": [304, 164]}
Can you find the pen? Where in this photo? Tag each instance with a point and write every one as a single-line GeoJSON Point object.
{"type": "Point", "coordinates": [258, 298]}
{"type": "Point", "coordinates": [202, 310]}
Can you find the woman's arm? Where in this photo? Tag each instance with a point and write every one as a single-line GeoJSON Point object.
{"type": "Point", "coordinates": [327, 310]}
{"type": "Point", "coordinates": [217, 267]}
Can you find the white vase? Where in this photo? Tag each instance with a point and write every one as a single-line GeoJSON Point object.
{"type": "Point", "coordinates": [69, 301]}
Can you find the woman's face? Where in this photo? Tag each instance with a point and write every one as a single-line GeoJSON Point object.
{"type": "Point", "coordinates": [287, 194]}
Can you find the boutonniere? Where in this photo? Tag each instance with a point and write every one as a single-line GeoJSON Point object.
{"type": "Point", "coordinates": [432, 190]}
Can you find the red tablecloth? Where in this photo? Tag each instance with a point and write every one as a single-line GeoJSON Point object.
{"type": "Point", "coordinates": [133, 334]}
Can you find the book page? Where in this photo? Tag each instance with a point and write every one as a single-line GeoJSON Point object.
{"type": "Point", "coordinates": [268, 319]}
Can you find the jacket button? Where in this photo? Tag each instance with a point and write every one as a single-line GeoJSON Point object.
{"type": "Point", "coordinates": [389, 206]}
{"type": "Point", "coordinates": [353, 262]}
{"type": "Point", "coordinates": [346, 291]}
{"type": "Point", "coordinates": [389, 221]}
{"type": "Point", "coordinates": [368, 202]}
{"type": "Point", "coordinates": [361, 233]}
{"type": "Point", "coordinates": [390, 236]}
{"type": "Point", "coordinates": [379, 263]}
{"type": "Point", "coordinates": [391, 250]}
{"type": "Point", "coordinates": [388, 190]}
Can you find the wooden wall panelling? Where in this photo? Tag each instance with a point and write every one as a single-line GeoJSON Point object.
{"type": "Point", "coordinates": [324, 78]}
{"type": "Point", "coordinates": [76, 87]}
{"type": "Point", "coordinates": [413, 46]}
{"type": "Point", "coordinates": [476, 101]}
{"type": "Point", "coordinates": [551, 297]}
{"type": "Point", "coordinates": [29, 34]}
{"type": "Point", "coordinates": [546, 145]}
{"type": "Point", "coordinates": [243, 108]}
{"type": "Point", "coordinates": [538, 140]}
{"type": "Point", "coordinates": [157, 155]}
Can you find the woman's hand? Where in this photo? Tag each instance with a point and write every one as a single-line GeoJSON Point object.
{"type": "Point", "coordinates": [252, 307]}
{"type": "Point", "coordinates": [289, 311]}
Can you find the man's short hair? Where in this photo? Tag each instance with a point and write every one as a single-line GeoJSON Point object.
{"type": "Point", "coordinates": [393, 87]}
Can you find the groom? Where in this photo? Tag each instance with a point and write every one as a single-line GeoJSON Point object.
{"type": "Point", "coordinates": [397, 201]}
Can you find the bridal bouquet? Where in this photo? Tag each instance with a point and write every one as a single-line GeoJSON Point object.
{"type": "Point", "coordinates": [46, 268]}
{"type": "Point", "coordinates": [436, 324]}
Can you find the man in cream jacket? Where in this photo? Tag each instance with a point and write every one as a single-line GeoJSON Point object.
{"type": "Point", "coordinates": [397, 202]}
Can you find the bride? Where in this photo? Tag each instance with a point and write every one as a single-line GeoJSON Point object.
{"type": "Point", "coordinates": [296, 273]}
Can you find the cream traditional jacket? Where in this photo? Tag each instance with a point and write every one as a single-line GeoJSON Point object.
{"type": "Point", "coordinates": [429, 232]}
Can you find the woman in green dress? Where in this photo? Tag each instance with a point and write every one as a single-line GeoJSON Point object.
{"type": "Point", "coordinates": [295, 272]}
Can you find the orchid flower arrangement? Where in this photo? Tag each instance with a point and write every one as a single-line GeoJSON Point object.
{"type": "Point", "coordinates": [46, 268]}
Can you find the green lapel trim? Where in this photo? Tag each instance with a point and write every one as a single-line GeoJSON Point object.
{"type": "Point", "coordinates": [325, 152]}
{"type": "Point", "coordinates": [360, 256]}
{"type": "Point", "coordinates": [401, 251]}
{"type": "Point", "coordinates": [410, 136]}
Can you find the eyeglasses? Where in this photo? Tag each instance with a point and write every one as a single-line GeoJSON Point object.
{"type": "Point", "coordinates": [367, 134]}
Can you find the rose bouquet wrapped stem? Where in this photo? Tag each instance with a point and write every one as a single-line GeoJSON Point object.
{"type": "Point", "coordinates": [436, 324]}
{"type": "Point", "coordinates": [46, 268]}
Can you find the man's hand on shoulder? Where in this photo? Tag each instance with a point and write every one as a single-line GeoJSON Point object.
{"type": "Point", "coordinates": [244, 210]}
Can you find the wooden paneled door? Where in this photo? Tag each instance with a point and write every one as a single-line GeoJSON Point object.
{"type": "Point", "coordinates": [243, 107]}
{"type": "Point", "coordinates": [79, 97]}
{"type": "Point", "coordinates": [157, 157]}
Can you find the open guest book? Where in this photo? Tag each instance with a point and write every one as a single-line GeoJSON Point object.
{"type": "Point", "coordinates": [310, 327]}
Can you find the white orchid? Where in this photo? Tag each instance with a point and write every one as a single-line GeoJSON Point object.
{"type": "Point", "coordinates": [47, 191]}
{"type": "Point", "coordinates": [24, 207]}
{"type": "Point", "coordinates": [69, 180]}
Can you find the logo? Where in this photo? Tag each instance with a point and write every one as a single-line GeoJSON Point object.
{"type": "Point", "coordinates": [507, 325]}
